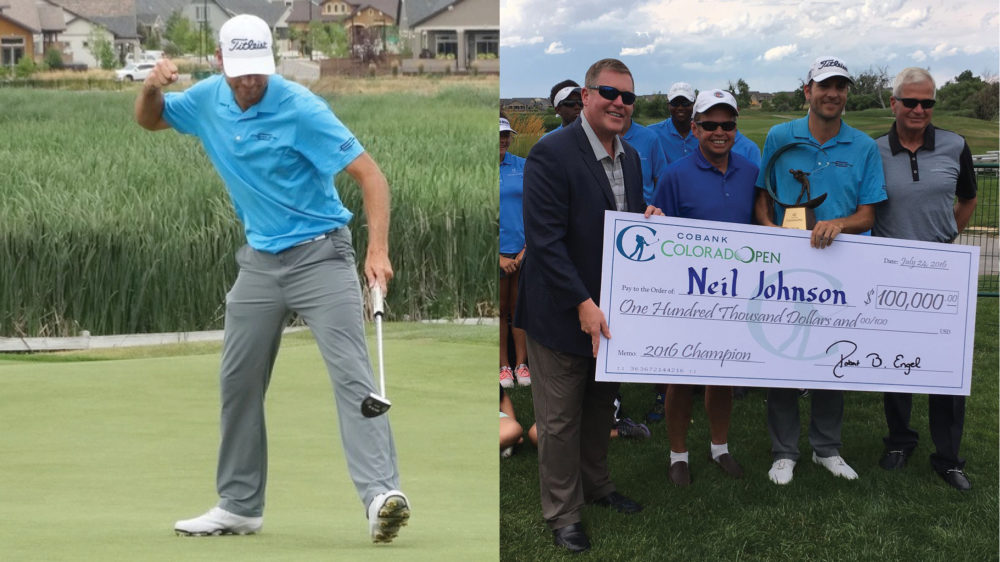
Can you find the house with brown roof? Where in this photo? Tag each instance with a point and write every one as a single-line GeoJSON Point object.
{"type": "Point", "coordinates": [28, 28]}
{"type": "Point", "coordinates": [370, 24]}
{"type": "Point", "coordinates": [116, 17]}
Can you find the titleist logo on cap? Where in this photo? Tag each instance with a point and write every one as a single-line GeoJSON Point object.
{"type": "Point", "coordinates": [831, 62]}
{"type": "Point", "coordinates": [238, 44]}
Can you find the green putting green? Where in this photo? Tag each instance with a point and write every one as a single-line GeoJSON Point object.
{"type": "Point", "coordinates": [98, 458]}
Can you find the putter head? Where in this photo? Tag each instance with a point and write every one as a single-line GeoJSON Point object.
{"type": "Point", "coordinates": [374, 405]}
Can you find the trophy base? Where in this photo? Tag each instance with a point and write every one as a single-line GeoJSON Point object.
{"type": "Point", "coordinates": [801, 218]}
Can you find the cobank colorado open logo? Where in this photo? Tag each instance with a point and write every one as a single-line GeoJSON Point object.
{"type": "Point", "coordinates": [638, 242]}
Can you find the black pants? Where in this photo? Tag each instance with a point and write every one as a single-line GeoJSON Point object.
{"type": "Point", "coordinates": [946, 414]}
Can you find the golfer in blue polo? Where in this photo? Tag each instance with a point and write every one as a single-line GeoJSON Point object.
{"type": "Point", "coordinates": [278, 147]}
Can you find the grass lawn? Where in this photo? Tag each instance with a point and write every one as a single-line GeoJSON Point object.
{"type": "Point", "coordinates": [908, 515]}
{"type": "Point", "coordinates": [102, 451]}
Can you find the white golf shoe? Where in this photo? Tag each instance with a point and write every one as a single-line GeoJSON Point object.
{"type": "Point", "coordinates": [218, 521]}
{"type": "Point", "coordinates": [837, 465]}
{"type": "Point", "coordinates": [386, 514]}
{"type": "Point", "coordinates": [781, 471]}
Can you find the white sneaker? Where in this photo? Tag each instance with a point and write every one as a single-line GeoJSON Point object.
{"type": "Point", "coordinates": [781, 471]}
{"type": "Point", "coordinates": [523, 375]}
{"type": "Point", "coordinates": [218, 521]}
{"type": "Point", "coordinates": [386, 514]}
{"type": "Point", "coordinates": [837, 465]}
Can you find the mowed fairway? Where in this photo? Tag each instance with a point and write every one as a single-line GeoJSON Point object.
{"type": "Point", "coordinates": [102, 451]}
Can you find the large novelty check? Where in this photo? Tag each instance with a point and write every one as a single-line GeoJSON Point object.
{"type": "Point", "coordinates": [702, 302]}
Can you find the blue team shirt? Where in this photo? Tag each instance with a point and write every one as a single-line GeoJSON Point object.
{"type": "Point", "coordinates": [850, 171]}
{"type": "Point", "coordinates": [511, 197]}
{"type": "Point", "coordinates": [695, 189]}
{"type": "Point", "coordinates": [277, 159]}
{"type": "Point", "coordinates": [550, 132]}
{"type": "Point", "coordinates": [674, 145]}
{"type": "Point", "coordinates": [746, 148]}
{"type": "Point", "coordinates": [651, 157]}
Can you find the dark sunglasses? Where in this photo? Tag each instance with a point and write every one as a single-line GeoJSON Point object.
{"type": "Point", "coordinates": [713, 125]}
{"type": "Point", "coordinates": [571, 103]}
{"type": "Point", "coordinates": [611, 94]}
{"type": "Point", "coordinates": [680, 102]}
{"type": "Point", "coordinates": [910, 103]}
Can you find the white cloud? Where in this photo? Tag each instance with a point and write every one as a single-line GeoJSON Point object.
{"type": "Point", "coordinates": [556, 48]}
{"type": "Point", "coordinates": [518, 41]}
{"type": "Point", "coordinates": [780, 52]}
{"type": "Point", "coordinates": [943, 50]}
{"type": "Point", "coordinates": [635, 51]}
{"type": "Point", "coordinates": [913, 18]}
{"type": "Point", "coordinates": [919, 56]}
{"type": "Point", "coordinates": [694, 66]}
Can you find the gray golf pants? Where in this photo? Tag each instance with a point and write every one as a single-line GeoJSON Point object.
{"type": "Point", "coordinates": [824, 424]}
{"type": "Point", "coordinates": [319, 282]}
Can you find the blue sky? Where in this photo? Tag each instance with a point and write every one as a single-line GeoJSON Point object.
{"type": "Point", "coordinates": [770, 44]}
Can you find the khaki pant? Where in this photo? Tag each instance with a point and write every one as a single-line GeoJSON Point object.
{"type": "Point", "coordinates": [574, 415]}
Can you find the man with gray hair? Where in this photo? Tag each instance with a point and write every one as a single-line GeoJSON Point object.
{"type": "Point", "coordinates": [932, 193]}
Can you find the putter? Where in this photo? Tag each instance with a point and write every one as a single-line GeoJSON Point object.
{"type": "Point", "coordinates": [377, 404]}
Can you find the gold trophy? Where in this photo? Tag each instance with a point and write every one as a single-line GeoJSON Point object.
{"type": "Point", "coordinates": [800, 214]}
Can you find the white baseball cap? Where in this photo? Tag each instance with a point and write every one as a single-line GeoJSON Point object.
{"type": "Point", "coordinates": [505, 126]}
{"type": "Point", "coordinates": [711, 98]}
{"type": "Point", "coordinates": [245, 42]}
{"type": "Point", "coordinates": [828, 67]}
{"type": "Point", "coordinates": [682, 89]}
{"type": "Point", "coordinates": [563, 94]}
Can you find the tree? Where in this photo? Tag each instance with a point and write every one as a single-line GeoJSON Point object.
{"type": "Point", "coordinates": [741, 91]}
{"type": "Point", "coordinates": [328, 38]}
{"type": "Point", "coordinates": [180, 32]}
{"type": "Point", "coordinates": [970, 96]}
{"type": "Point", "coordinates": [53, 58]}
{"type": "Point", "coordinates": [872, 83]}
{"type": "Point", "coordinates": [101, 48]}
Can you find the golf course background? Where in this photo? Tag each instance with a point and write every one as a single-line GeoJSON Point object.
{"type": "Point", "coordinates": [109, 228]}
{"type": "Point", "coordinates": [103, 450]}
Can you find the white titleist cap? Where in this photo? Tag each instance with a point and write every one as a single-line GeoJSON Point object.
{"type": "Point", "coordinates": [245, 42]}
{"type": "Point", "coordinates": [563, 94]}
{"type": "Point", "coordinates": [711, 98]}
{"type": "Point", "coordinates": [505, 126]}
{"type": "Point", "coordinates": [828, 67]}
{"type": "Point", "coordinates": [682, 89]}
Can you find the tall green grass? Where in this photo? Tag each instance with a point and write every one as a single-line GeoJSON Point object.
{"type": "Point", "coordinates": [108, 228]}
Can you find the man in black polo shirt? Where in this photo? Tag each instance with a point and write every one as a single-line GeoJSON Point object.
{"type": "Point", "coordinates": [931, 189]}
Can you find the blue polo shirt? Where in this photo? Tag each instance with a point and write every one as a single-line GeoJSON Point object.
{"type": "Point", "coordinates": [695, 189]}
{"type": "Point", "coordinates": [277, 158]}
{"type": "Point", "coordinates": [511, 197]}
{"type": "Point", "coordinates": [651, 157]}
{"type": "Point", "coordinates": [674, 145]}
{"type": "Point", "coordinates": [746, 148]}
{"type": "Point", "coordinates": [848, 170]}
{"type": "Point", "coordinates": [550, 132]}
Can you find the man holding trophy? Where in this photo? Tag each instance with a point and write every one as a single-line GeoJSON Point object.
{"type": "Point", "coordinates": [822, 175]}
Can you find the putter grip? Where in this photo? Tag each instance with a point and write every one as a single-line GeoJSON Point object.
{"type": "Point", "coordinates": [377, 302]}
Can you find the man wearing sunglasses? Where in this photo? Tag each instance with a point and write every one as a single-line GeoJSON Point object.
{"type": "Point", "coordinates": [713, 183]}
{"type": "Point", "coordinates": [675, 132]}
{"type": "Point", "coordinates": [932, 193]}
{"type": "Point", "coordinates": [565, 98]}
{"type": "Point", "coordinates": [571, 177]}
{"type": "Point", "coordinates": [853, 182]}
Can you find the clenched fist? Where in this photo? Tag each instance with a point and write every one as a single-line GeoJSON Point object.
{"type": "Point", "coordinates": [163, 74]}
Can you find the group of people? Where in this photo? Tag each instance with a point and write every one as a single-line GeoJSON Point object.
{"type": "Point", "coordinates": [914, 182]}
